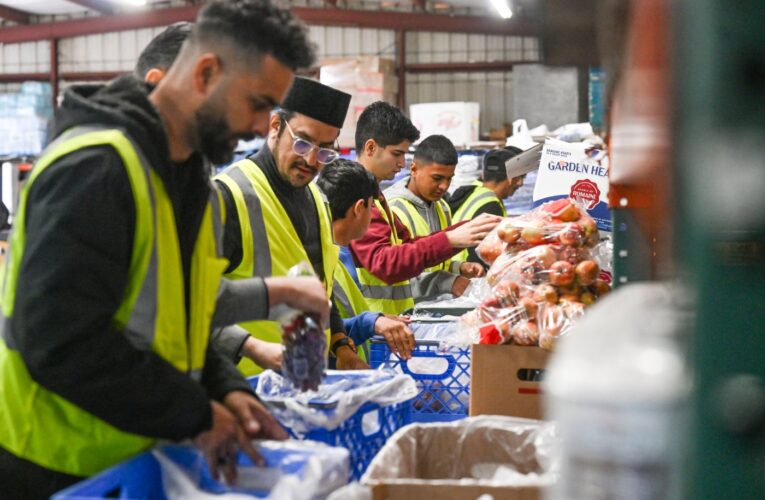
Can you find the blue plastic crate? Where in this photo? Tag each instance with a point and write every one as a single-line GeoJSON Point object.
{"type": "Point", "coordinates": [363, 434]}
{"type": "Point", "coordinates": [444, 391]}
{"type": "Point", "coordinates": [141, 476]}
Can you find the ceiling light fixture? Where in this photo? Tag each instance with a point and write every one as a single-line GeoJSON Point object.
{"type": "Point", "coordinates": [503, 8]}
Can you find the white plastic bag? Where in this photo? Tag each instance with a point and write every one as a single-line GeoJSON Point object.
{"type": "Point", "coordinates": [295, 470]}
{"type": "Point", "coordinates": [339, 397]}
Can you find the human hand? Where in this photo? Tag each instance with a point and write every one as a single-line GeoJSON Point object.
{"type": "Point", "coordinates": [397, 334]}
{"type": "Point", "coordinates": [219, 443]}
{"type": "Point", "coordinates": [472, 233]}
{"type": "Point", "coordinates": [471, 270]}
{"type": "Point", "coordinates": [253, 416]}
{"type": "Point", "coordinates": [347, 359]}
{"type": "Point", "coordinates": [459, 286]}
{"type": "Point", "coordinates": [305, 293]}
{"type": "Point", "coordinates": [267, 355]}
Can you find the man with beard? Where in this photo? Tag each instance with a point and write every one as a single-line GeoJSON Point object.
{"type": "Point", "coordinates": [241, 300]}
{"type": "Point", "coordinates": [276, 218]}
{"type": "Point", "coordinates": [115, 263]}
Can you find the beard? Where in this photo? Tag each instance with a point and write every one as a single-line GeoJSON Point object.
{"type": "Point", "coordinates": [214, 136]}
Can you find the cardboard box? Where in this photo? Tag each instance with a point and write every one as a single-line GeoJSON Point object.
{"type": "Point", "coordinates": [353, 82]}
{"type": "Point", "coordinates": [367, 79]}
{"type": "Point", "coordinates": [359, 102]}
{"type": "Point", "coordinates": [450, 492]}
{"type": "Point", "coordinates": [458, 121]}
{"type": "Point", "coordinates": [463, 460]}
{"type": "Point", "coordinates": [372, 64]}
{"type": "Point", "coordinates": [507, 380]}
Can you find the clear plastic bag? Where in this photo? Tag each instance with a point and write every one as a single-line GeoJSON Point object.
{"type": "Point", "coordinates": [294, 470]}
{"type": "Point", "coordinates": [558, 222]}
{"type": "Point", "coordinates": [477, 451]}
{"type": "Point", "coordinates": [339, 396]}
{"type": "Point", "coordinates": [536, 294]}
{"type": "Point", "coordinates": [304, 361]}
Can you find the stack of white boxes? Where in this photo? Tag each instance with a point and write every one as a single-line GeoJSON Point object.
{"type": "Point", "coordinates": [458, 121]}
{"type": "Point", "coordinates": [368, 79]}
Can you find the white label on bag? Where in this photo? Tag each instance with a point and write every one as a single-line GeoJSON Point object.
{"type": "Point", "coordinates": [567, 170]}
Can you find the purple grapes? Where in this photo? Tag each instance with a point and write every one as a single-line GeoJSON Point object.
{"type": "Point", "coordinates": [305, 346]}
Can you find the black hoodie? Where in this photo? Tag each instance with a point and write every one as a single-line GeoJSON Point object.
{"type": "Point", "coordinates": [80, 224]}
{"type": "Point", "coordinates": [455, 202]}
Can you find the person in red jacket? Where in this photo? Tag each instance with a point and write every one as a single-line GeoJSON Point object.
{"type": "Point", "coordinates": [383, 136]}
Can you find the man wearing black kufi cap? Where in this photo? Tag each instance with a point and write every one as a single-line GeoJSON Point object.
{"type": "Point", "coordinates": [275, 217]}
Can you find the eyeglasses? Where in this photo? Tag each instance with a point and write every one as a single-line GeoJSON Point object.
{"type": "Point", "coordinates": [303, 147]}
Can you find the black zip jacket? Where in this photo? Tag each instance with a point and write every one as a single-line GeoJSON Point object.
{"type": "Point", "coordinates": [300, 208]}
{"type": "Point", "coordinates": [80, 225]}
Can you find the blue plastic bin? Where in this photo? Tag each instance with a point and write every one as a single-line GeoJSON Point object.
{"type": "Point", "coordinates": [363, 434]}
{"type": "Point", "coordinates": [444, 393]}
{"type": "Point", "coordinates": [141, 476]}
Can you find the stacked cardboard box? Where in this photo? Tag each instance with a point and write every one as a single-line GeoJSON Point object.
{"type": "Point", "coordinates": [368, 79]}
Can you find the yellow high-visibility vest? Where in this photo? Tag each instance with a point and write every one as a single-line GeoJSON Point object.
{"type": "Point", "coordinates": [270, 244]}
{"type": "Point", "coordinates": [43, 427]}
{"type": "Point", "coordinates": [350, 302]}
{"type": "Point", "coordinates": [381, 297]}
{"type": "Point", "coordinates": [407, 213]}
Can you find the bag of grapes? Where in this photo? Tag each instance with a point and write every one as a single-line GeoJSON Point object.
{"type": "Point", "coordinates": [304, 361]}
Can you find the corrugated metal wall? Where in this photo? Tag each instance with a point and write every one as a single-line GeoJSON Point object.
{"type": "Point", "coordinates": [493, 90]}
{"type": "Point", "coordinates": [118, 52]}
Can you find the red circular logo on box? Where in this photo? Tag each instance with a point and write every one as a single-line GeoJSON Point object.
{"type": "Point", "coordinates": [587, 192]}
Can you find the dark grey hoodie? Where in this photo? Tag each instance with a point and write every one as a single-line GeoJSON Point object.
{"type": "Point", "coordinates": [428, 285]}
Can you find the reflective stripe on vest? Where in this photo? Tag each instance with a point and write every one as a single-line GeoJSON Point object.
{"type": "Point", "coordinates": [350, 302]}
{"type": "Point", "coordinates": [43, 427]}
{"type": "Point", "coordinates": [405, 210]}
{"type": "Point", "coordinates": [480, 197]}
{"type": "Point", "coordinates": [381, 297]}
{"type": "Point", "coordinates": [270, 244]}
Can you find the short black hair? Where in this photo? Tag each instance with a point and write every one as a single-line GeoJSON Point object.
{"type": "Point", "coordinates": [163, 49]}
{"type": "Point", "coordinates": [494, 163]}
{"type": "Point", "coordinates": [344, 182]}
{"type": "Point", "coordinates": [254, 28]}
{"type": "Point", "coordinates": [436, 149]}
{"type": "Point", "coordinates": [384, 123]}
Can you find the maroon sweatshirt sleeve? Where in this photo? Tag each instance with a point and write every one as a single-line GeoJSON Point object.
{"type": "Point", "coordinates": [395, 263]}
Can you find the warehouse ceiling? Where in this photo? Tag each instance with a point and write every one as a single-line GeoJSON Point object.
{"type": "Point", "coordinates": [53, 7]}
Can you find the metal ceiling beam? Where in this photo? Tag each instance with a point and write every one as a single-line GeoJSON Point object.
{"type": "Point", "coordinates": [71, 76]}
{"type": "Point", "coordinates": [464, 67]}
{"type": "Point", "coordinates": [15, 15]}
{"type": "Point", "coordinates": [100, 6]}
{"type": "Point", "coordinates": [410, 21]}
{"type": "Point", "coordinates": [392, 20]}
{"type": "Point", "coordinates": [102, 24]}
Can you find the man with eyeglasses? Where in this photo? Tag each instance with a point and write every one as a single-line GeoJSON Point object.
{"type": "Point", "coordinates": [276, 218]}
